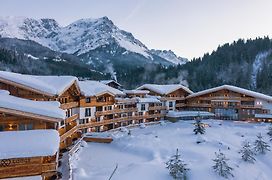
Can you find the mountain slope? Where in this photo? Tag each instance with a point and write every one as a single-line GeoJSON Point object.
{"type": "Point", "coordinates": [78, 38]}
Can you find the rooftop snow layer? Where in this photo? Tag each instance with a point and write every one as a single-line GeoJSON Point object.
{"type": "Point", "coordinates": [109, 81]}
{"type": "Point", "coordinates": [136, 91]}
{"type": "Point", "coordinates": [53, 85]}
{"type": "Point", "coordinates": [94, 88]}
{"type": "Point", "coordinates": [44, 108]}
{"type": "Point", "coordinates": [164, 89]}
{"type": "Point", "coordinates": [235, 89]}
{"type": "Point", "coordinates": [32, 143]}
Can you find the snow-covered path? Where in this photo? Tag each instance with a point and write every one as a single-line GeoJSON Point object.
{"type": "Point", "coordinates": [143, 154]}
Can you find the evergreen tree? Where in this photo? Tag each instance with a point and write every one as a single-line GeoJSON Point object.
{"type": "Point", "coordinates": [199, 127]}
{"type": "Point", "coordinates": [247, 152]}
{"type": "Point", "coordinates": [177, 169]}
{"type": "Point", "coordinates": [221, 167]}
{"type": "Point", "coordinates": [260, 146]}
{"type": "Point", "coordinates": [270, 132]}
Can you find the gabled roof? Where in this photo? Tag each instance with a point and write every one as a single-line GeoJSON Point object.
{"type": "Point", "coordinates": [234, 89]}
{"type": "Point", "coordinates": [48, 85]}
{"type": "Point", "coordinates": [110, 81]}
{"type": "Point", "coordinates": [31, 143]}
{"type": "Point", "coordinates": [48, 110]}
{"type": "Point", "coordinates": [164, 89]}
{"type": "Point", "coordinates": [95, 88]}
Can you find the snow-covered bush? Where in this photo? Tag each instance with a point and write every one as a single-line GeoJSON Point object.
{"type": "Point", "coordinates": [199, 127]}
{"type": "Point", "coordinates": [221, 167]}
{"type": "Point", "coordinates": [177, 169]}
{"type": "Point", "coordinates": [270, 132]}
{"type": "Point", "coordinates": [142, 125]}
{"type": "Point", "coordinates": [247, 152]}
{"type": "Point", "coordinates": [260, 146]}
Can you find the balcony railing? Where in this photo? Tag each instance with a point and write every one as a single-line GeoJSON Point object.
{"type": "Point", "coordinates": [68, 133]}
{"type": "Point", "coordinates": [180, 104]}
{"type": "Point", "coordinates": [72, 118]}
{"type": "Point", "coordinates": [69, 105]}
{"type": "Point", "coordinates": [100, 113]}
{"type": "Point", "coordinates": [171, 98]}
{"type": "Point", "coordinates": [152, 108]}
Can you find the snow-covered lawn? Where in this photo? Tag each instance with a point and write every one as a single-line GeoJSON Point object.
{"type": "Point", "coordinates": [142, 155]}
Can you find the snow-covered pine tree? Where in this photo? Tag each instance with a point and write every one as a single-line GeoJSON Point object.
{"type": "Point", "coordinates": [221, 167]}
{"type": "Point", "coordinates": [177, 169]}
{"type": "Point", "coordinates": [260, 146]}
{"type": "Point", "coordinates": [247, 152]}
{"type": "Point", "coordinates": [199, 127]}
{"type": "Point", "coordinates": [270, 132]}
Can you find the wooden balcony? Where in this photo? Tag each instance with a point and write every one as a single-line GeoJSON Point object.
{"type": "Point", "coordinates": [251, 106]}
{"type": "Point", "coordinates": [180, 104]}
{"type": "Point", "coordinates": [171, 98]}
{"type": "Point", "coordinates": [199, 105]}
{"type": "Point", "coordinates": [114, 111]}
{"type": "Point", "coordinates": [125, 101]}
{"type": "Point", "coordinates": [68, 133]}
{"type": "Point", "coordinates": [69, 105]}
{"type": "Point", "coordinates": [72, 118]}
{"type": "Point", "coordinates": [119, 119]}
{"type": "Point", "coordinates": [153, 108]}
{"type": "Point", "coordinates": [61, 131]}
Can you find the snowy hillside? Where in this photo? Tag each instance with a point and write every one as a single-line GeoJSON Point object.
{"type": "Point", "coordinates": [78, 37]}
{"type": "Point", "coordinates": [143, 154]}
{"type": "Point", "coordinates": [170, 56]}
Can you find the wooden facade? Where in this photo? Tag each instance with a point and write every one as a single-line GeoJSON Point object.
{"type": "Point", "coordinates": [29, 166]}
{"type": "Point", "coordinates": [227, 105]}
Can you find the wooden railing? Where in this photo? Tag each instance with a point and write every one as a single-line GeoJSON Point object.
{"type": "Point", "coordinates": [68, 133]}
{"type": "Point", "coordinates": [180, 104]}
{"type": "Point", "coordinates": [115, 120]}
{"type": "Point", "coordinates": [199, 105]}
{"type": "Point", "coordinates": [72, 118]}
{"type": "Point", "coordinates": [100, 113]}
{"type": "Point", "coordinates": [171, 98]}
{"type": "Point", "coordinates": [152, 108]}
{"type": "Point", "coordinates": [69, 105]}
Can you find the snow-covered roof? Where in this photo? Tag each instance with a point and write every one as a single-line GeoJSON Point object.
{"type": "Point", "coordinates": [136, 91]}
{"type": "Point", "coordinates": [95, 88]}
{"type": "Point", "coordinates": [178, 114]}
{"type": "Point", "coordinates": [148, 100]}
{"type": "Point", "coordinates": [164, 89]}
{"type": "Point", "coordinates": [235, 89]}
{"type": "Point", "coordinates": [110, 81]}
{"type": "Point", "coordinates": [43, 108]}
{"type": "Point", "coordinates": [49, 85]}
{"type": "Point", "coordinates": [32, 143]}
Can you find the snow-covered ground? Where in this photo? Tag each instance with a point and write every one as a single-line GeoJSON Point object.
{"type": "Point", "coordinates": [143, 154]}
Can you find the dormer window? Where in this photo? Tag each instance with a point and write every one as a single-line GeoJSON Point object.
{"type": "Point", "coordinates": [88, 100]}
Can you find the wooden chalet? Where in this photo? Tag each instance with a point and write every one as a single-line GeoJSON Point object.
{"type": "Point", "coordinates": [63, 89]}
{"type": "Point", "coordinates": [27, 130]}
{"type": "Point", "coordinates": [29, 153]}
{"type": "Point", "coordinates": [232, 103]}
{"type": "Point", "coordinates": [172, 96]}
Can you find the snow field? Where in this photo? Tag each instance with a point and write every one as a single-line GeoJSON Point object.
{"type": "Point", "coordinates": [143, 154]}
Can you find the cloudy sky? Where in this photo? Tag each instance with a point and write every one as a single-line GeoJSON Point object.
{"type": "Point", "coordinates": [188, 27]}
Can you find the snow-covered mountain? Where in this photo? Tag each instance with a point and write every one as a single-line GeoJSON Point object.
{"type": "Point", "coordinates": [169, 56]}
{"type": "Point", "coordinates": [79, 37]}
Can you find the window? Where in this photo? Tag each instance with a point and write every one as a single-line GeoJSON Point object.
{"type": "Point", "coordinates": [62, 123]}
{"type": "Point", "coordinates": [109, 108]}
{"type": "Point", "coordinates": [1, 127]}
{"type": "Point", "coordinates": [23, 127]}
{"type": "Point", "coordinates": [87, 112]}
{"type": "Point", "coordinates": [88, 100]}
{"type": "Point", "coordinates": [142, 107]}
{"type": "Point", "coordinates": [170, 104]}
